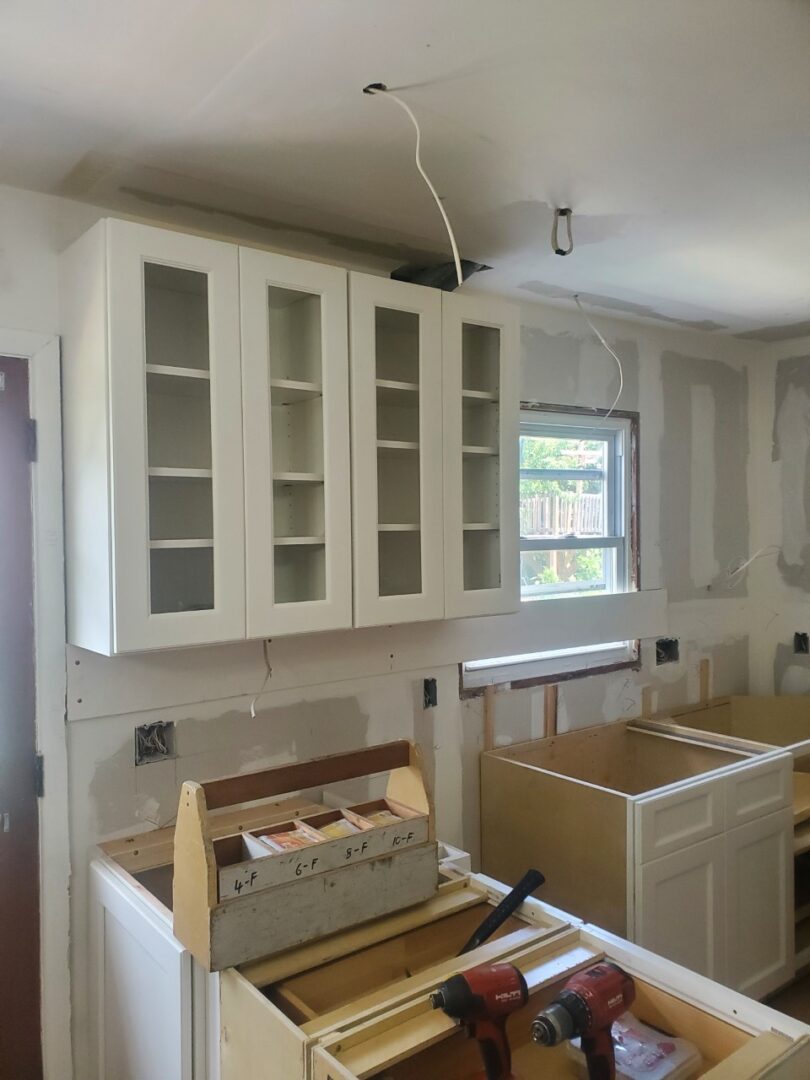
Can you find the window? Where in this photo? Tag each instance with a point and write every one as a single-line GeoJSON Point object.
{"type": "Point", "coordinates": [575, 504]}
{"type": "Point", "coordinates": [578, 533]}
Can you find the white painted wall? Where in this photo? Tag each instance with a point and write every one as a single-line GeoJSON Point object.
{"type": "Point", "coordinates": [339, 690]}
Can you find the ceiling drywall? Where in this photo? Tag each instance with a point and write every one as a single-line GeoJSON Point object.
{"type": "Point", "coordinates": [679, 132]}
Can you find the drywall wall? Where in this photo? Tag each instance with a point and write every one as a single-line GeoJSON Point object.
{"type": "Point", "coordinates": [367, 700]}
{"type": "Point", "coordinates": [780, 538]}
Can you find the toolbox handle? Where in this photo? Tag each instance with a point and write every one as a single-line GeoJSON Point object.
{"type": "Point", "coordinates": [281, 779]}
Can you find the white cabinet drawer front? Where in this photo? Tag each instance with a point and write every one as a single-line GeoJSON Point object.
{"type": "Point", "coordinates": [680, 903]}
{"type": "Point", "coordinates": [666, 823]}
{"type": "Point", "coordinates": [759, 926]}
{"type": "Point", "coordinates": [758, 789]}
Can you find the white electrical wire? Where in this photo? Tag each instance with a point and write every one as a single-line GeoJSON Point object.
{"type": "Point", "coordinates": [612, 353]}
{"type": "Point", "coordinates": [769, 549]}
{"type": "Point", "coordinates": [425, 177]}
{"type": "Point", "coordinates": [267, 677]}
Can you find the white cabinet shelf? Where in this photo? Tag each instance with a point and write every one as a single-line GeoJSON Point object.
{"type": "Point", "coordinates": [295, 402]}
{"type": "Point", "coordinates": [481, 413]}
{"type": "Point", "coordinates": [396, 363]}
{"type": "Point", "coordinates": [153, 439]}
{"type": "Point", "coordinates": [166, 545]}
{"type": "Point", "coordinates": [291, 391]}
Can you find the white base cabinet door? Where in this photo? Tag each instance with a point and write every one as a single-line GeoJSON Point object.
{"type": "Point", "coordinates": [143, 990]}
{"type": "Point", "coordinates": [680, 904]}
{"type": "Point", "coordinates": [760, 923]}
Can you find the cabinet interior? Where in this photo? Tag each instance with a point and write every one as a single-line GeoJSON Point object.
{"type": "Point", "coordinates": [776, 721]}
{"type": "Point", "coordinates": [480, 422]}
{"type": "Point", "coordinates": [178, 421]}
{"type": "Point", "coordinates": [622, 758]}
{"type": "Point", "coordinates": [308, 997]}
{"type": "Point", "coordinates": [295, 356]}
{"type": "Point", "coordinates": [457, 1057]}
{"type": "Point", "coordinates": [397, 367]}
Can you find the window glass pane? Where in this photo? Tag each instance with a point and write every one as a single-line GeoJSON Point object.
{"type": "Point", "coordinates": [551, 508]}
{"type": "Point", "coordinates": [580, 572]}
{"type": "Point", "coordinates": [552, 452]}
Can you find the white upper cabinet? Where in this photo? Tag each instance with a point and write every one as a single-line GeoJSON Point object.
{"type": "Point", "coordinates": [295, 378]}
{"type": "Point", "coordinates": [153, 439]}
{"type": "Point", "coordinates": [257, 445]}
{"type": "Point", "coordinates": [396, 381]}
{"type": "Point", "coordinates": [481, 424]}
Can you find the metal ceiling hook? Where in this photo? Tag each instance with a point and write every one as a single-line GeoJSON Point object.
{"type": "Point", "coordinates": [567, 213]}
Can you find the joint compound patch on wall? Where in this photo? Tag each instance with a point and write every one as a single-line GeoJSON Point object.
{"type": "Point", "coordinates": [704, 452]}
{"type": "Point", "coordinates": [556, 371]}
{"type": "Point", "coordinates": [791, 449]}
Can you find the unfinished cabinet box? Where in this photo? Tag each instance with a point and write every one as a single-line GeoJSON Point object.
{"type": "Point", "coordinates": [737, 1038]}
{"type": "Point", "coordinates": [396, 392]}
{"type": "Point", "coordinates": [296, 432]}
{"type": "Point", "coordinates": [237, 898]}
{"type": "Point", "coordinates": [481, 339]}
{"type": "Point", "coordinates": [275, 1012]}
{"type": "Point", "coordinates": [656, 820]}
{"type": "Point", "coordinates": [152, 429]}
{"type": "Point", "coordinates": [756, 725]}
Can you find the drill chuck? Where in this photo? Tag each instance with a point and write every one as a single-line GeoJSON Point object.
{"type": "Point", "coordinates": [554, 1025]}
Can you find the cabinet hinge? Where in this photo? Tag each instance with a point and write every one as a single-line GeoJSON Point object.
{"type": "Point", "coordinates": [39, 775]}
{"type": "Point", "coordinates": [32, 440]}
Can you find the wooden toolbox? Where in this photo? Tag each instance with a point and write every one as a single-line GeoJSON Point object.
{"type": "Point", "coordinates": [406, 1039]}
{"type": "Point", "coordinates": [255, 893]}
{"type": "Point", "coordinates": [275, 1012]}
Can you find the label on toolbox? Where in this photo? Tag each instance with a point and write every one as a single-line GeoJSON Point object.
{"type": "Point", "coordinates": [277, 869]}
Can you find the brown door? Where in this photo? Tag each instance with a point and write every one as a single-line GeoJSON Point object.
{"type": "Point", "coordinates": [20, 1049]}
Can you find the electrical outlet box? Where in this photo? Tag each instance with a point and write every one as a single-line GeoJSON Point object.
{"type": "Point", "coordinates": [801, 643]}
{"type": "Point", "coordinates": [154, 742]}
{"type": "Point", "coordinates": [667, 651]}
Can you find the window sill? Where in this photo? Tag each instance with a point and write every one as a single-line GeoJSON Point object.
{"type": "Point", "coordinates": [541, 670]}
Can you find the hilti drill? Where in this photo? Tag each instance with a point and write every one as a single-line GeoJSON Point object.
{"type": "Point", "coordinates": [482, 999]}
{"type": "Point", "coordinates": [586, 1007]}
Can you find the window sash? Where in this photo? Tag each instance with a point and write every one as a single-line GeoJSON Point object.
{"type": "Point", "coordinates": [615, 433]}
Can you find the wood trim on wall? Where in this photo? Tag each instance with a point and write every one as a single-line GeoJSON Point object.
{"type": "Point", "coordinates": [43, 356]}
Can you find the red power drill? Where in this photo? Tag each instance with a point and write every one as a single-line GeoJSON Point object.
{"type": "Point", "coordinates": [482, 999]}
{"type": "Point", "coordinates": [586, 1007]}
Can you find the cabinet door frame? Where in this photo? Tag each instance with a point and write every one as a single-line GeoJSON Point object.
{"type": "Point", "coordinates": [678, 818]}
{"type": "Point", "coordinates": [779, 827]}
{"type": "Point", "coordinates": [136, 629]}
{"type": "Point", "coordinates": [110, 899]}
{"type": "Point", "coordinates": [711, 852]}
{"type": "Point", "coordinates": [366, 293]}
{"type": "Point", "coordinates": [458, 309]}
{"type": "Point", "coordinates": [265, 618]}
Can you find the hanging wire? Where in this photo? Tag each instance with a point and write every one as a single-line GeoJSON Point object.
{"type": "Point", "coordinates": [584, 314]}
{"type": "Point", "coordinates": [375, 88]}
{"type": "Point", "coordinates": [268, 675]}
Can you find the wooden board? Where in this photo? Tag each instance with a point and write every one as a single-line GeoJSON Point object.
{"type": "Point", "coordinates": [253, 875]}
{"type": "Point", "coordinates": [621, 757]}
{"type": "Point", "coordinates": [251, 1039]}
{"type": "Point", "coordinates": [302, 911]}
{"type": "Point", "coordinates": [801, 797]}
{"type": "Point", "coordinates": [576, 835]}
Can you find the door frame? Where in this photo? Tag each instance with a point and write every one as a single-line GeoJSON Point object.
{"type": "Point", "coordinates": [41, 351]}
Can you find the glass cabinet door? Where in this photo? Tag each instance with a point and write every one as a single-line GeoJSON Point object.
{"type": "Point", "coordinates": [481, 426]}
{"type": "Point", "coordinates": [296, 430]}
{"type": "Point", "coordinates": [397, 451]}
{"type": "Point", "coordinates": [177, 490]}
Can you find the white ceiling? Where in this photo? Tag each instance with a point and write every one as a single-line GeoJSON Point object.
{"type": "Point", "coordinates": [678, 131]}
